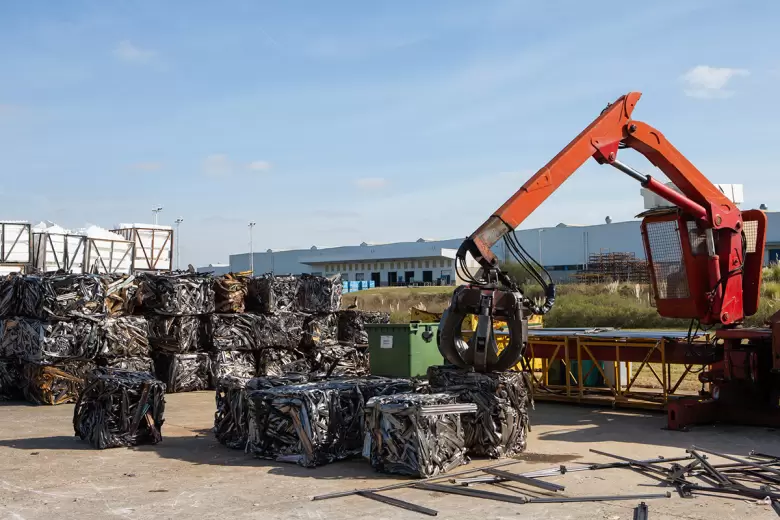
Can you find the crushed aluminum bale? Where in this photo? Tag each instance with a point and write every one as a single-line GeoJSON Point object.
{"type": "Point", "coordinates": [10, 380]}
{"type": "Point", "coordinates": [124, 337]}
{"type": "Point", "coordinates": [239, 364]}
{"type": "Point", "coordinates": [315, 423]}
{"type": "Point", "coordinates": [351, 325]}
{"type": "Point", "coordinates": [233, 331]}
{"type": "Point", "coordinates": [319, 294]}
{"type": "Point", "coordinates": [174, 334]}
{"type": "Point", "coordinates": [415, 434]}
{"type": "Point", "coordinates": [277, 362]}
{"type": "Point", "coordinates": [121, 291]}
{"type": "Point", "coordinates": [69, 295]}
{"type": "Point", "coordinates": [131, 364]}
{"type": "Point", "coordinates": [55, 384]}
{"type": "Point", "coordinates": [176, 294]}
{"type": "Point", "coordinates": [280, 330]}
{"type": "Point", "coordinates": [232, 420]}
{"type": "Point", "coordinates": [120, 408]}
{"type": "Point", "coordinates": [319, 330]}
{"type": "Point", "coordinates": [229, 293]}
{"type": "Point", "coordinates": [36, 341]}
{"type": "Point", "coordinates": [22, 295]}
{"type": "Point", "coordinates": [183, 372]}
{"type": "Point", "coordinates": [340, 361]}
{"type": "Point", "coordinates": [269, 293]}
{"type": "Point", "coordinates": [500, 426]}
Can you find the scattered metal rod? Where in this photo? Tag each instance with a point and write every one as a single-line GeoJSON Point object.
{"type": "Point", "coordinates": [776, 507]}
{"type": "Point", "coordinates": [398, 503]}
{"type": "Point", "coordinates": [606, 498]}
{"type": "Point", "coordinates": [754, 453]}
{"type": "Point", "coordinates": [742, 491]}
{"type": "Point", "coordinates": [530, 481]}
{"type": "Point", "coordinates": [410, 483]}
{"type": "Point", "coordinates": [717, 475]}
{"type": "Point", "coordinates": [632, 462]}
{"type": "Point", "coordinates": [640, 512]}
{"type": "Point", "coordinates": [474, 493]}
{"type": "Point", "coordinates": [737, 459]}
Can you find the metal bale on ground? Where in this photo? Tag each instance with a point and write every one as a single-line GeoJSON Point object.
{"type": "Point", "coordinates": [55, 384]}
{"type": "Point", "coordinates": [415, 434]}
{"type": "Point", "coordinates": [120, 408]}
{"type": "Point", "coordinates": [10, 380]}
{"type": "Point", "coordinates": [232, 419]}
{"type": "Point", "coordinates": [500, 426]}
{"type": "Point", "coordinates": [35, 341]}
{"type": "Point", "coordinates": [183, 372]}
{"type": "Point", "coordinates": [315, 423]}
{"type": "Point", "coordinates": [229, 293]}
{"type": "Point", "coordinates": [174, 334]}
{"type": "Point", "coordinates": [351, 325]}
{"type": "Point", "coordinates": [176, 294]}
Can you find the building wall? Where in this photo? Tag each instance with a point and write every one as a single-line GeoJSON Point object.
{"type": "Point", "coordinates": [351, 271]}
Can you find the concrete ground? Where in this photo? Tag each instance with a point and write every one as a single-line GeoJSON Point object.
{"type": "Point", "coordinates": [46, 472]}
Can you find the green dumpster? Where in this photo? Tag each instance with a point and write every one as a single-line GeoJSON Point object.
{"type": "Point", "coordinates": [403, 349]}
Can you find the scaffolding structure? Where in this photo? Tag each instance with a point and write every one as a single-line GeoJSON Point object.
{"type": "Point", "coordinates": [614, 267]}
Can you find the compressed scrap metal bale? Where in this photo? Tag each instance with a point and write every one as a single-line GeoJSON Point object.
{"type": "Point", "coordinates": [22, 295]}
{"type": "Point", "coordinates": [120, 294]}
{"type": "Point", "coordinates": [183, 372]}
{"type": "Point", "coordinates": [73, 295]}
{"type": "Point", "coordinates": [120, 408]}
{"type": "Point", "coordinates": [319, 294]}
{"type": "Point", "coordinates": [10, 380]}
{"type": "Point", "coordinates": [270, 294]}
{"type": "Point", "coordinates": [55, 384]}
{"type": "Point", "coordinates": [124, 337]}
{"type": "Point", "coordinates": [280, 330]}
{"type": "Point", "coordinates": [415, 434]}
{"type": "Point", "coordinates": [351, 326]}
{"type": "Point", "coordinates": [233, 331]}
{"type": "Point", "coordinates": [319, 330]}
{"type": "Point", "coordinates": [176, 294]}
{"type": "Point", "coordinates": [340, 361]}
{"type": "Point", "coordinates": [131, 364]}
{"type": "Point", "coordinates": [277, 362]}
{"type": "Point", "coordinates": [314, 423]}
{"type": "Point", "coordinates": [500, 426]}
{"type": "Point", "coordinates": [237, 363]}
{"type": "Point", "coordinates": [232, 419]}
{"type": "Point", "coordinates": [42, 342]}
{"type": "Point", "coordinates": [174, 334]}
{"type": "Point", "coordinates": [229, 293]}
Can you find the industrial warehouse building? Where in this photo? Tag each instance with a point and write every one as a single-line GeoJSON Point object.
{"type": "Point", "coordinates": [563, 250]}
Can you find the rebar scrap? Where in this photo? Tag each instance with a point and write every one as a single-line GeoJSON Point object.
{"type": "Point", "coordinates": [415, 434]}
{"type": "Point", "coordinates": [120, 408]}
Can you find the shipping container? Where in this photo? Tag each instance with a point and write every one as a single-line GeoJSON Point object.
{"type": "Point", "coordinates": [153, 246]}
{"type": "Point", "coordinates": [15, 246]}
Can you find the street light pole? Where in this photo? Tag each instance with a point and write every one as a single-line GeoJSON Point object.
{"type": "Point", "coordinates": [178, 222]}
{"type": "Point", "coordinates": [156, 210]}
{"type": "Point", "coordinates": [252, 224]}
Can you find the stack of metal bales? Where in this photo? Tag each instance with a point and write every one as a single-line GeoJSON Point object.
{"type": "Point", "coordinates": [177, 307]}
{"type": "Point", "coordinates": [50, 335]}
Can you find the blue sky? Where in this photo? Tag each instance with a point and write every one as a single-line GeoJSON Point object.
{"type": "Point", "coordinates": [332, 123]}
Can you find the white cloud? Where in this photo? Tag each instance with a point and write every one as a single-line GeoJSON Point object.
{"type": "Point", "coordinates": [217, 165]}
{"type": "Point", "coordinates": [708, 82]}
{"type": "Point", "coordinates": [259, 166]}
{"type": "Point", "coordinates": [371, 183]}
{"type": "Point", "coordinates": [147, 166]}
{"type": "Point", "coordinates": [128, 52]}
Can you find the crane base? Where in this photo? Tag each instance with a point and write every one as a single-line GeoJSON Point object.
{"type": "Point", "coordinates": [684, 413]}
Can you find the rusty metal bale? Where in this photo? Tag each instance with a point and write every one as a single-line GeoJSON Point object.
{"type": "Point", "coordinates": [42, 342]}
{"type": "Point", "coordinates": [174, 334]}
{"type": "Point", "coordinates": [120, 408]}
{"type": "Point", "coordinates": [319, 294]}
{"type": "Point", "coordinates": [176, 294]}
{"type": "Point", "coordinates": [124, 337]}
{"type": "Point", "coordinates": [270, 294]}
{"type": "Point", "coordinates": [233, 331]}
{"type": "Point", "coordinates": [415, 434]}
{"type": "Point", "coordinates": [55, 384]}
{"type": "Point", "coordinates": [183, 372]}
{"type": "Point", "coordinates": [10, 380]}
{"type": "Point", "coordinates": [500, 426]}
{"type": "Point", "coordinates": [351, 325]}
{"type": "Point", "coordinates": [229, 293]}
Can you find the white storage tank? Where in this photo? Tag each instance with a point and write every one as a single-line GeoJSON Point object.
{"type": "Point", "coordinates": [57, 249]}
{"type": "Point", "coordinates": [15, 246]}
{"type": "Point", "coordinates": [153, 246]}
